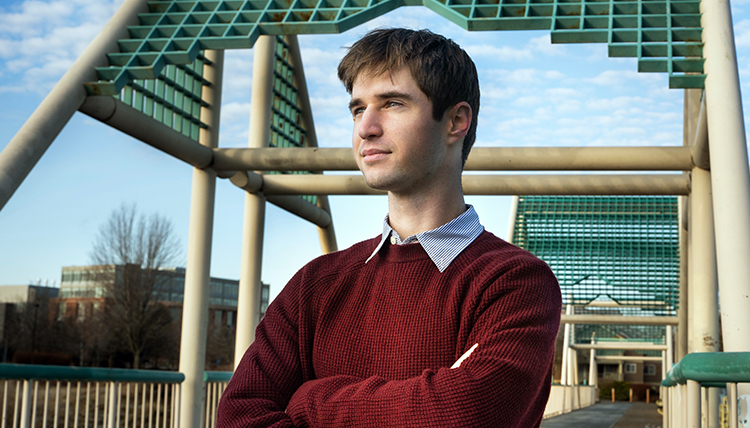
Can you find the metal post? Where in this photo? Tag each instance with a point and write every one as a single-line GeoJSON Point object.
{"type": "Point", "coordinates": [669, 360]}
{"type": "Point", "coordinates": [703, 317]}
{"type": "Point", "coordinates": [198, 269]}
{"type": "Point", "coordinates": [593, 372]}
{"type": "Point", "coordinates": [113, 391]}
{"type": "Point", "coordinates": [327, 235]}
{"type": "Point", "coordinates": [248, 301]}
{"type": "Point", "coordinates": [732, 405]}
{"type": "Point", "coordinates": [512, 219]}
{"type": "Point", "coordinates": [26, 404]}
{"type": "Point", "coordinates": [693, 404]}
{"type": "Point", "coordinates": [665, 406]}
{"type": "Point", "coordinates": [682, 333]}
{"type": "Point", "coordinates": [35, 136]}
{"type": "Point", "coordinates": [566, 346]}
{"type": "Point", "coordinates": [703, 305]}
{"type": "Point", "coordinates": [729, 172]}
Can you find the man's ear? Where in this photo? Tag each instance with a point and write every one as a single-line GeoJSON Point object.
{"type": "Point", "coordinates": [459, 121]}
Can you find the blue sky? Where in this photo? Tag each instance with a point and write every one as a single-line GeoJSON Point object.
{"type": "Point", "coordinates": [533, 94]}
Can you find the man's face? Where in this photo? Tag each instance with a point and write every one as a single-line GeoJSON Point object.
{"type": "Point", "coordinates": [398, 145]}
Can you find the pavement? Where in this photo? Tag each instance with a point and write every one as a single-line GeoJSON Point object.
{"type": "Point", "coordinates": [609, 415]}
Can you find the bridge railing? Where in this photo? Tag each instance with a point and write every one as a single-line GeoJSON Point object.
{"type": "Point", "coordinates": [216, 382]}
{"type": "Point", "coordinates": [73, 397]}
{"type": "Point", "coordinates": [685, 390]}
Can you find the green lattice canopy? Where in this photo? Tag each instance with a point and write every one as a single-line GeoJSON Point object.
{"type": "Point", "coordinates": [665, 35]}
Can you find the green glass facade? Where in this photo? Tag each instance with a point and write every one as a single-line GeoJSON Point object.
{"type": "Point", "coordinates": [618, 249]}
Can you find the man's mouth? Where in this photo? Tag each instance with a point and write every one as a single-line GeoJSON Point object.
{"type": "Point", "coordinates": [372, 155]}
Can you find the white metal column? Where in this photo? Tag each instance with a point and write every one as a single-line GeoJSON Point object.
{"type": "Point", "coordinates": [198, 268]}
{"type": "Point", "coordinates": [729, 172]}
{"type": "Point", "coordinates": [248, 303]}
{"type": "Point", "coordinates": [35, 136]}
{"type": "Point", "coordinates": [703, 303]}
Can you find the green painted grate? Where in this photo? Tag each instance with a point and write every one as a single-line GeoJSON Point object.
{"type": "Point", "coordinates": [665, 35]}
{"type": "Point", "coordinates": [623, 249]}
{"type": "Point", "coordinates": [286, 118]}
{"type": "Point", "coordinates": [173, 98]}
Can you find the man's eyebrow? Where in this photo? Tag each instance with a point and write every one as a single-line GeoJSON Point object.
{"type": "Point", "coordinates": [354, 102]}
{"type": "Point", "coordinates": [385, 95]}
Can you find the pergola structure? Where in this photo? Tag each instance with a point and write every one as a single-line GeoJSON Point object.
{"type": "Point", "coordinates": [155, 73]}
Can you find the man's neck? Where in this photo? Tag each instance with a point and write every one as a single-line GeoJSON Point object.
{"type": "Point", "coordinates": [410, 215]}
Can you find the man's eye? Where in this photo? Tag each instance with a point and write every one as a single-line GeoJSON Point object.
{"type": "Point", "coordinates": [393, 103]}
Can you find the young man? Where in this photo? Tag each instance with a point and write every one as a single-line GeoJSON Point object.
{"type": "Point", "coordinates": [435, 323]}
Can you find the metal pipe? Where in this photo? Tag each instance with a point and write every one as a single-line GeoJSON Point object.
{"type": "Point", "coordinates": [302, 209]}
{"type": "Point", "coordinates": [642, 346]}
{"type": "Point", "coordinates": [132, 122]}
{"type": "Point", "coordinates": [703, 317]}
{"type": "Point", "coordinates": [693, 404]}
{"type": "Point", "coordinates": [730, 173]}
{"type": "Point", "coordinates": [703, 303]}
{"type": "Point", "coordinates": [593, 372]}
{"type": "Point", "coordinates": [565, 372]}
{"type": "Point", "coordinates": [326, 234]}
{"type": "Point", "coordinates": [617, 319]}
{"type": "Point", "coordinates": [666, 184]}
{"type": "Point", "coordinates": [701, 156]}
{"type": "Point", "coordinates": [732, 405]}
{"type": "Point", "coordinates": [248, 301]}
{"type": "Point", "coordinates": [682, 311]}
{"type": "Point", "coordinates": [198, 266]}
{"type": "Point", "coordinates": [626, 358]}
{"type": "Point", "coordinates": [31, 141]}
{"type": "Point", "coordinates": [512, 219]}
{"type": "Point", "coordinates": [480, 159]}
{"type": "Point", "coordinates": [253, 183]}
{"type": "Point", "coordinates": [669, 361]}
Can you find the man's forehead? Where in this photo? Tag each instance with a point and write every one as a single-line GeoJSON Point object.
{"type": "Point", "coordinates": [401, 77]}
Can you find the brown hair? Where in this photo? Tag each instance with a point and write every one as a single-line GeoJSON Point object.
{"type": "Point", "coordinates": [441, 69]}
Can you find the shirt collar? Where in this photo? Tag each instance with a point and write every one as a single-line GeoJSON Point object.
{"type": "Point", "coordinates": [443, 244]}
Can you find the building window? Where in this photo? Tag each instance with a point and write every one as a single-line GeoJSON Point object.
{"type": "Point", "coordinates": [650, 369]}
{"type": "Point", "coordinates": [230, 318]}
{"type": "Point", "coordinates": [81, 312]}
{"type": "Point", "coordinates": [630, 368]}
{"type": "Point", "coordinates": [61, 307]}
{"type": "Point", "coordinates": [217, 318]}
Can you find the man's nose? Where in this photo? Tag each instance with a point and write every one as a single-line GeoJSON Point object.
{"type": "Point", "coordinates": [369, 124]}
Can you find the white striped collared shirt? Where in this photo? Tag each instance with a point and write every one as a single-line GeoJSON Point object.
{"type": "Point", "coordinates": [443, 244]}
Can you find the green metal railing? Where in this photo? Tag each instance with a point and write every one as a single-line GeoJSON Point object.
{"type": "Point", "coordinates": [695, 374]}
{"type": "Point", "coordinates": [52, 396]}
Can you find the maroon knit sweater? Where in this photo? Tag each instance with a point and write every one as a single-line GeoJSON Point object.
{"type": "Point", "coordinates": [349, 344]}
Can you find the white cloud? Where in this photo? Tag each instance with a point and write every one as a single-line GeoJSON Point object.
{"type": "Point", "coordinates": [501, 53]}
{"type": "Point", "coordinates": [742, 34]}
{"type": "Point", "coordinates": [616, 103]}
{"type": "Point", "coordinates": [543, 44]}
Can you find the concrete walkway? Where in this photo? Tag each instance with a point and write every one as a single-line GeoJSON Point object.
{"type": "Point", "coordinates": [608, 415]}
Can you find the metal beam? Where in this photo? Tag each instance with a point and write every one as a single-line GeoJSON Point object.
{"type": "Point", "coordinates": [480, 159]}
{"type": "Point", "coordinates": [637, 184]}
{"type": "Point", "coordinates": [617, 319]}
{"type": "Point", "coordinates": [622, 358]}
{"type": "Point", "coordinates": [125, 118]}
{"type": "Point", "coordinates": [31, 141]}
{"type": "Point", "coordinates": [640, 346]}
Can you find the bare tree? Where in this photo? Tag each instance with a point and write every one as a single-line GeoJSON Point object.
{"type": "Point", "coordinates": [131, 248]}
